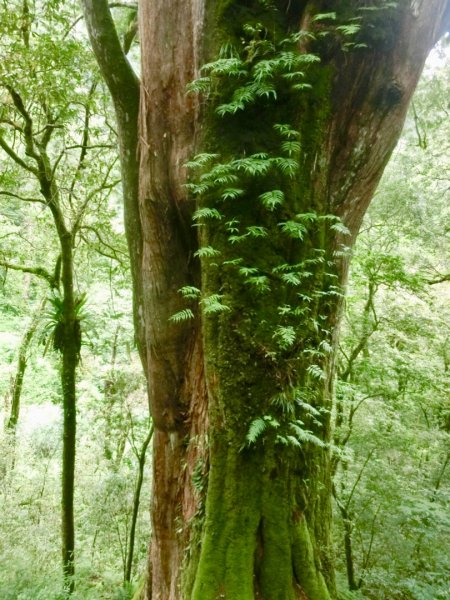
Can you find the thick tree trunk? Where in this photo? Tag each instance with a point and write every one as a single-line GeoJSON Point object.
{"type": "Point", "coordinates": [232, 519]}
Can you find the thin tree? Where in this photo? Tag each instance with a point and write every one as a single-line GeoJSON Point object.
{"type": "Point", "coordinates": [33, 141]}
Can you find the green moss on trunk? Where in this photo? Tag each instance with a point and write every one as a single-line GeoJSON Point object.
{"type": "Point", "coordinates": [266, 530]}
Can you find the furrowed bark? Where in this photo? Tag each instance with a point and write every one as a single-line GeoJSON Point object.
{"type": "Point", "coordinates": [174, 367]}
{"type": "Point", "coordinates": [265, 532]}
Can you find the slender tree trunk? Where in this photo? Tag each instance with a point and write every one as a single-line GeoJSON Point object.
{"type": "Point", "coordinates": [141, 456]}
{"type": "Point", "coordinates": [123, 85]}
{"type": "Point", "coordinates": [70, 357]}
{"type": "Point", "coordinates": [15, 391]}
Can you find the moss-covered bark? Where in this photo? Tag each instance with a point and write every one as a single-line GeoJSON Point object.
{"type": "Point", "coordinates": [266, 530]}
{"type": "Point", "coordinates": [258, 526]}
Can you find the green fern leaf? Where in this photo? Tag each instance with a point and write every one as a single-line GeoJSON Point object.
{"type": "Point", "coordinates": [183, 315]}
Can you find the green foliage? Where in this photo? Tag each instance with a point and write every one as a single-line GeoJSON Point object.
{"type": "Point", "coordinates": [46, 61]}
{"type": "Point", "coordinates": [55, 319]}
{"type": "Point", "coordinates": [183, 315]}
{"type": "Point", "coordinates": [393, 469]}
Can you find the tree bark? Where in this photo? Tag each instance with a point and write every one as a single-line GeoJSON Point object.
{"type": "Point", "coordinates": [123, 85]}
{"type": "Point", "coordinates": [262, 519]}
{"type": "Point", "coordinates": [15, 390]}
{"type": "Point", "coordinates": [233, 519]}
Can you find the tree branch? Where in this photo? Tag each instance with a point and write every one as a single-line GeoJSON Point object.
{"type": "Point", "coordinates": [22, 198]}
{"type": "Point", "coordinates": [114, 251]}
{"type": "Point", "coordinates": [12, 124]}
{"type": "Point", "coordinates": [104, 186]}
{"type": "Point", "coordinates": [38, 271]}
{"type": "Point", "coordinates": [30, 149]}
{"type": "Point", "coordinates": [439, 279]}
{"type": "Point", "coordinates": [16, 158]}
{"type": "Point", "coordinates": [84, 140]}
{"type": "Point", "coordinates": [114, 65]}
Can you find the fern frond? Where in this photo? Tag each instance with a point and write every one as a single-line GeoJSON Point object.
{"type": "Point", "coordinates": [232, 193]}
{"type": "Point", "coordinates": [293, 229]}
{"type": "Point", "coordinates": [272, 199]}
{"type": "Point", "coordinates": [207, 252]}
{"type": "Point", "coordinates": [212, 304]}
{"type": "Point", "coordinates": [207, 213]}
{"type": "Point", "coordinates": [183, 315]}
{"type": "Point", "coordinates": [190, 292]}
{"type": "Point", "coordinates": [285, 336]}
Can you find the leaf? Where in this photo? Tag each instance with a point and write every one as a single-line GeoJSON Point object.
{"type": "Point", "coordinates": [232, 193]}
{"type": "Point", "coordinates": [316, 372]}
{"type": "Point", "coordinates": [232, 66]}
{"type": "Point", "coordinates": [207, 252]}
{"type": "Point", "coordinates": [256, 231]}
{"type": "Point", "coordinates": [200, 160]}
{"type": "Point", "coordinates": [291, 147]}
{"type": "Point", "coordinates": [260, 282]}
{"type": "Point", "coordinates": [349, 29]}
{"type": "Point", "coordinates": [340, 228]}
{"type": "Point", "coordinates": [291, 278]}
{"type": "Point", "coordinates": [286, 131]}
{"type": "Point", "coordinates": [256, 429]}
{"type": "Point", "coordinates": [304, 435]}
{"type": "Point", "coordinates": [325, 16]}
{"type": "Point", "coordinates": [190, 292]}
{"type": "Point", "coordinates": [293, 229]}
{"type": "Point", "coordinates": [248, 271]}
{"type": "Point", "coordinates": [212, 304]}
{"type": "Point", "coordinates": [183, 315]}
{"type": "Point", "coordinates": [272, 199]}
{"type": "Point", "coordinates": [287, 166]}
{"type": "Point", "coordinates": [285, 336]}
{"type": "Point", "coordinates": [198, 86]}
{"type": "Point", "coordinates": [207, 213]}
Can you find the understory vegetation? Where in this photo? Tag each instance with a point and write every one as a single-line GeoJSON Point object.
{"type": "Point", "coordinates": [391, 419]}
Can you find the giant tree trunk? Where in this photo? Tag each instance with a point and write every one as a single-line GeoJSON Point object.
{"type": "Point", "coordinates": [239, 513]}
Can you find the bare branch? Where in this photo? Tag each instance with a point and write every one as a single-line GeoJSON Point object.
{"type": "Point", "coordinates": [22, 198]}
{"type": "Point", "coordinates": [358, 479]}
{"type": "Point", "coordinates": [84, 140]}
{"type": "Point", "coordinates": [114, 250]}
{"type": "Point", "coordinates": [439, 279]}
{"type": "Point", "coordinates": [103, 187]}
{"type": "Point", "coordinates": [12, 124]}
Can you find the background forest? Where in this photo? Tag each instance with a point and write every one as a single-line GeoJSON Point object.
{"type": "Point", "coordinates": [392, 417]}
